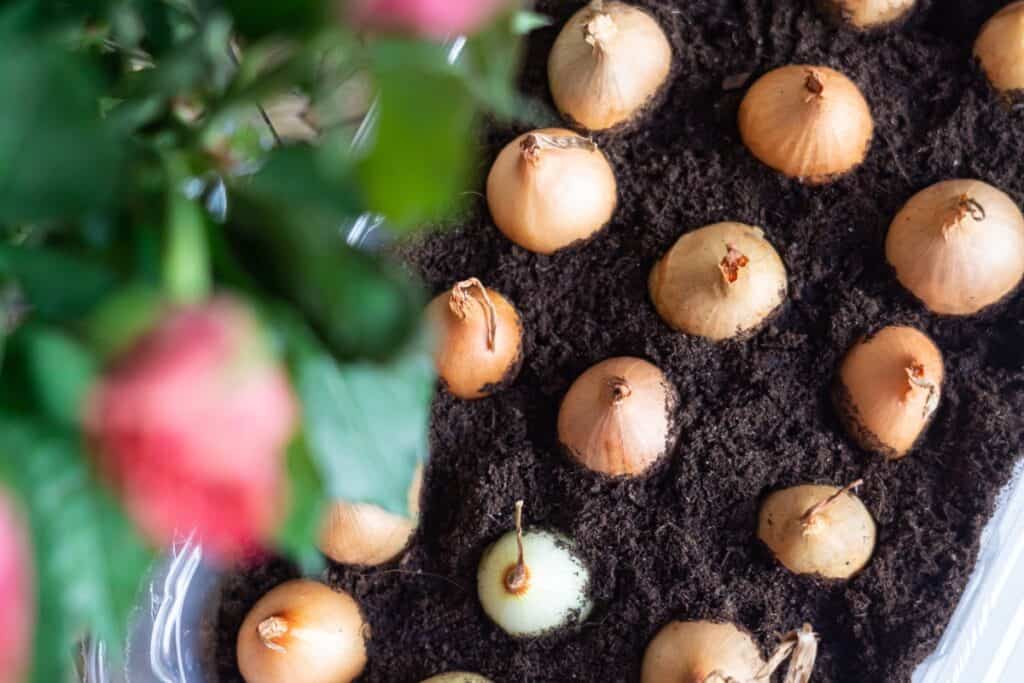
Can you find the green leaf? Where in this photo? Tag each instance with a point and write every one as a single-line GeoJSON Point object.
{"type": "Point", "coordinates": [525, 21]}
{"type": "Point", "coordinates": [58, 158]}
{"type": "Point", "coordinates": [89, 561]}
{"type": "Point", "coordinates": [424, 140]}
{"type": "Point", "coordinates": [297, 537]}
{"type": "Point", "coordinates": [258, 18]}
{"type": "Point", "coordinates": [61, 372]}
{"type": "Point", "coordinates": [56, 284]}
{"type": "Point", "coordinates": [286, 228]}
{"type": "Point", "coordinates": [366, 423]}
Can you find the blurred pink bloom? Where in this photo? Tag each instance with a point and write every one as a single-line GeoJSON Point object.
{"type": "Point", "coordinates": [437, 19]}
{"type": "Point", "coordinates": [17, 595]}
{"type": "Point", "coordinates": [191, 427]}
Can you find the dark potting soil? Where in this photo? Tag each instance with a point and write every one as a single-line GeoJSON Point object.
{"type": "Point", "coordinates": [755, 415]}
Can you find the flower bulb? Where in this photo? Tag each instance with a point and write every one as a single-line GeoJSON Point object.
{"type": "Point", "coordinates": [607, 63]}
{"type": "Point", "coordinates": [1000, 48]}
{"type": "Point", "coordinates": [701, 652]}
{"type": "Point", "coordinates": [718, 281]}
{"type": "Point", "coordinates": [532, 583]}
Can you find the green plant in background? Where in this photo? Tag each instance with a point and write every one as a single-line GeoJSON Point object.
{"type": "Point", "coordinates": [154, 153]}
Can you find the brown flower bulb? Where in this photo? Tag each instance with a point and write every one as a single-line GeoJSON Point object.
{"type": "Point", "coordinates": [615, 417]}
{"type": "Point", "coordinates": [958, 246]}
{"type": "Point", "coordinates": [549, 189]}
{"type": "Point", "coordinates": [869, 14]}
{"type": "Point", "coordinates": [701, 652]}
{"type": "Point", "coordinates": [822, 530]}
{"type": "Point", "coordinates": [718, 281]}
{"type": "Point", "coordinates": [808, 122]}
{"type": "Point", "coordinates": [1000, 48]}
{"type": "Point", "coordinates": [607, 63]}
{"type": "Point", "coordinates": [479, 338]}
{"type": "Point", "coordinates": [888, 389]}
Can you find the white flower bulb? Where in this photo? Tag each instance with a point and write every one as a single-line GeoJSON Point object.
{"type": "Point", "coordinates": [457, 677]}
{"type": "Point", "coordinates": [531, 583]}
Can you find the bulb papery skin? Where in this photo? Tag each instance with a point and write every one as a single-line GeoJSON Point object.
{"type": "Point", "coordinates": [695, 293]}
{"type": "Point", "coordinates": [958, 246]}
{"type": "Point", "coordinates": [835, 543]}
{"type": "Point", "coordinates": [315, 635]}
{"type": "Point", "coordinates": [869, 14]}
{"type": "Point", "coordinates": [556, 593]}
{"type": "Point", "coordinates": [689, 651]}
{"type": "Point", "coordinates": [888, 389]}
{"type": "Point", "coordinates": [808, 122]}
{"type": "Point", "coordinates": [551, 197]}
{"type": "Point", "coordinates": [607, 64]}
{"type": "Point", "coordinates": [615, 417]}
{"type": "Point", "coordinates": [1000, 48]}
{"type": "Point", "coordinates": [467, 363]}
{"type": "Point", "coordinates": [457, 677]}
{"type": "Point", "coordinates": [363, 534]}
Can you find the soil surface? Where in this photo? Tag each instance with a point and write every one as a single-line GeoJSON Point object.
{"type": "Point", "coordinates": [755, 415]}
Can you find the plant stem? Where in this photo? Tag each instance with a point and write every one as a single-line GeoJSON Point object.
{"type": "Point", "coordinates": [517, 579]}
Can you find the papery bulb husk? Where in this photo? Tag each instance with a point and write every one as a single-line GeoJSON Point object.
{"type": "Point", "coordinates": [888, 389]}
{"type": "Point", "coordinates": [457, 677]}
{"type": "Point", "coordinates": [691, 651]}
{"type": "Point", "coordinates": [363, 534]}
{"type": "Point", "coordinates": [808, 122]}
{"type": "Point", "coordinates": [473, 359]}
{"type": "Point", "coordinates": [958, 246]}
{"type": "Point", "coordinates": [868, 14]}
{"type": "Point", "coordinates": [695, 292]}
{"type": "Point", "coordinates": [835, 544]}
{"type": "Point", "coordinates": [302, 632]}
{"type": "Point", "coordinates": [554, 191]}
{"type": "Point", "coordinates": [1000, 49]}
{"type": "Point", "coordinates": [615, 417]}
{"type": "Point", "coordinates": [608, 62]}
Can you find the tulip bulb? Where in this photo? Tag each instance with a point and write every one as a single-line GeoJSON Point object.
{"type": "Point", "coordinates": [808, 122]}
{"type": "Point", "coordinates": [1000, 48]}
{"type": "Point", "coordinates": [822, 530]}
{"type": "Point", "coordinates": [958, 246]}
{"type": "Point", "coordinates": [888, 389]}
{"type": "Point", "coordinates": [480, 339]}
{"type": "Point", "coordinates": [701, 652]}
{"type": "Point", "coordinates": [302, 632]}
{"type": "Point", "coordinates": [607, 63]}
{"type": "Point", "coordinates": [532, 583]}
{"type": "Point", "coordinates": [869, 14]}
{"type": "Point", "coordinates": [615, 417]}
{"type": "Point", "coordinates": [718, 281]}
{"type": "Point", "coordinates": [457, 677]}
{"type": "Point", "coordinates": [550, 188]}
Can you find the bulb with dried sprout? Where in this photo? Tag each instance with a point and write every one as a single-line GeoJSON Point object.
{"type": "Point", "coordinates": [607, 63]}
{"type": "Point", "coordinates": [549, 189]}
{"type": "Point", "coordinates": [719, 281]}
{"type": "Point", "coordinates": [302, 632]}
{"type": "Point", "coordinates": [868, 14]}
{"type": "Point", "coordinates": [958, 246]}
{"type": "Point", "coordinates": [1000, 49]}
{"type": "Point", "coordinates": [532, 583]}
{"type": "Point", "coordinates": [615, 417]}
{"type": "Point", "coordinates": [811, 123]}
{"type": "Point", "coordinates": [820, 530]}
{"type": "Point", "coordinates": [888, 388]}
{"type": "Point", "coordinates": [718, 652]}
{"type": "Point", "coordinates": [479, 345]}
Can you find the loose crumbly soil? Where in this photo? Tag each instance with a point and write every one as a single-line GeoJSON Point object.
{"type": "Point", "coordinates": [755, 415]}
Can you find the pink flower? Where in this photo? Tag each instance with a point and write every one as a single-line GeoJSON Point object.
{"type": "Point", "coordinates": [437, 19]}
{"type": "Point", "coordinates": [17, 595]}
{"type": "Point", "coordinates": [191, 427]}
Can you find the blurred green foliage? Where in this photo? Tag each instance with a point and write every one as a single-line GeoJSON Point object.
{"type": "Point", "coordinates": [139, 168]}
